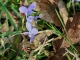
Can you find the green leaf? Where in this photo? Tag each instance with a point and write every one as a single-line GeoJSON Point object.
{"type": "Point", "coordinates": [10, 55]}
{"type": "Point", "coordinates": [0, 15]}
{"type": "Point", "coordinates": [61, 34]}
{"type": "Point", "coordinates": [69, 4]}
{"type": "Point", "coordinates": [6, 2]}
{"type": "Point", "coordinates": [20, 58]}
{"type": "Point", "coordinates": [61, 20]}
{"type": "Point", "coordinates": [68, 57]}
{"type": "Point", "coordinates": [10, 33]}
{"type": "Point", "coordinates": [18, 14]}
{"type": "Point", "coordinates": [8, 15]}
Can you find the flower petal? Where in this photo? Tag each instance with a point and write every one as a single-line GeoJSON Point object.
{"type": "Point", "coordinates": [34, 31]}
{"type": "Point", "coordinates": [28, 26]}
{"type": "Point", "coordinates": [30, 18]}
{"type": "Point", "coordinates": [23, 9]}
{"type": "Point", "coordinates": [36, 17]}
{"type": "Point", "coordinates": [32, 38]}
{"type": "Point", "coordinates": [29, 12]}
{"type": "Point", "coordinates": [32, 6]}
{"type": "Point", "coordinates": [26, 14]}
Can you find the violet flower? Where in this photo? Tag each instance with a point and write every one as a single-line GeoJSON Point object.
{"type": "Point", "coordinates": [31, 34]}
{"type": "Point", "coordinates": [32, 31]}
{"type": "Point", "coordinates": [32, 38]}
{"type": "Point", "coordinates": [30, 8]}
{"type": "Point", "coordinates": [28, 26]}
{"type": "Point", "coordinates": [23, 9]}
{"type": "Point", "coordinates": [27, 11]}
{"type": "Point", "coordinates": [29, 20]}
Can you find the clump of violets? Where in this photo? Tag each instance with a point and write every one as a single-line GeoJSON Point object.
{"type": "Point", "coordinates": [32, 30]}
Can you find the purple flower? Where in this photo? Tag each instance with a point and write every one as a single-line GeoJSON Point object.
{"type": "Point", "coordinates": [30, 18]}
{"type": "Point", "coordinates": [30, 8]}
{"type": "Point", "coordinates": [28, 23]}
{"type": "Point", "coordinates": [23, 9]}
{"type": "Point", "coordinates": [27, 11]}
{"type": "Point", "coordinates": [32, 38]}
{"type": "Point", "coordinates": [28, 26]}
{"type": "Point", "coordinates": [36, 17]}
{"type": "Point", "coordinates": [31, 33]}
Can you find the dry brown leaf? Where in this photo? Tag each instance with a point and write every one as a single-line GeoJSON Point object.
{"type": "Point", "coordinates": [11, 28]}
{"type": "Point", "coordinates": [73, 32]}
{"type": "Point", "coordinates": [63, 11]}
{"type": "Point", "coordinates": [58, 55]}
{"type": "Point", "coordinates": [32, 58]}
{"type": "Point", "coordinates": [4, 28]}
{"type": "Point", "coordinates": [41, 36]}
{"type": "Point", "coordinates": [3, 15]}
{"type": "Point", "coordinates": [49, 14]}
{"type": "Point", "coordinates": [46, 52]}
{"type": "Point", "coordinates": [47, 7]}
{"type": "Point", "coordinates": [39, 39]}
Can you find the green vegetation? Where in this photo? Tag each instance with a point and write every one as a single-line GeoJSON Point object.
{"type": "Point", "coordinates": [11, 49]}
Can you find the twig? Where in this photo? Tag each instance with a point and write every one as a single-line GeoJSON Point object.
{"type": "Point", "coordinates": [49, 40]}
{"type": "Point", "coordinates": [54, 39]}
{"type": "Point", "coordinates": [45, 31]}
{"type": "Point", "coordinates": [46, 43]}
{"type": "Point", "coordinates": [42, 46]}
{"type": "Point", "coordinates": [38, 32]}
{"type": "Point", "coordinates": [5, 50]}
{"type": "Point", "coordinates": [74, 55]}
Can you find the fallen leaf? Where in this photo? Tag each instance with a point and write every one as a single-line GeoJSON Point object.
{"type": "Point", "coordinates": [73, 33]}
{"type": "Point", "coordinates": [47, 8]}
{"type": "Point", "coordinates": [39, 39]}
{"type": "Point", "coordinates": [63, 11]}
{"type": "Point", "coordinates": [58, 55]}
{"type": "Point", "coordinates": [32, 58]}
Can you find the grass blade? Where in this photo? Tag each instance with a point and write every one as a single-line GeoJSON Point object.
{"type": "Point", "coordinates": [18, 14]}
{"type": "Point", "coordinates": [8, 15]}
{"type": "Point", "coordinates": [10, 33]}
{"type": "Point", "coordinates": [61, 34]}
{"type": "Point", "coordinates": [68, 57]}
{"type": "Point", "coordinates": [61, 20]}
